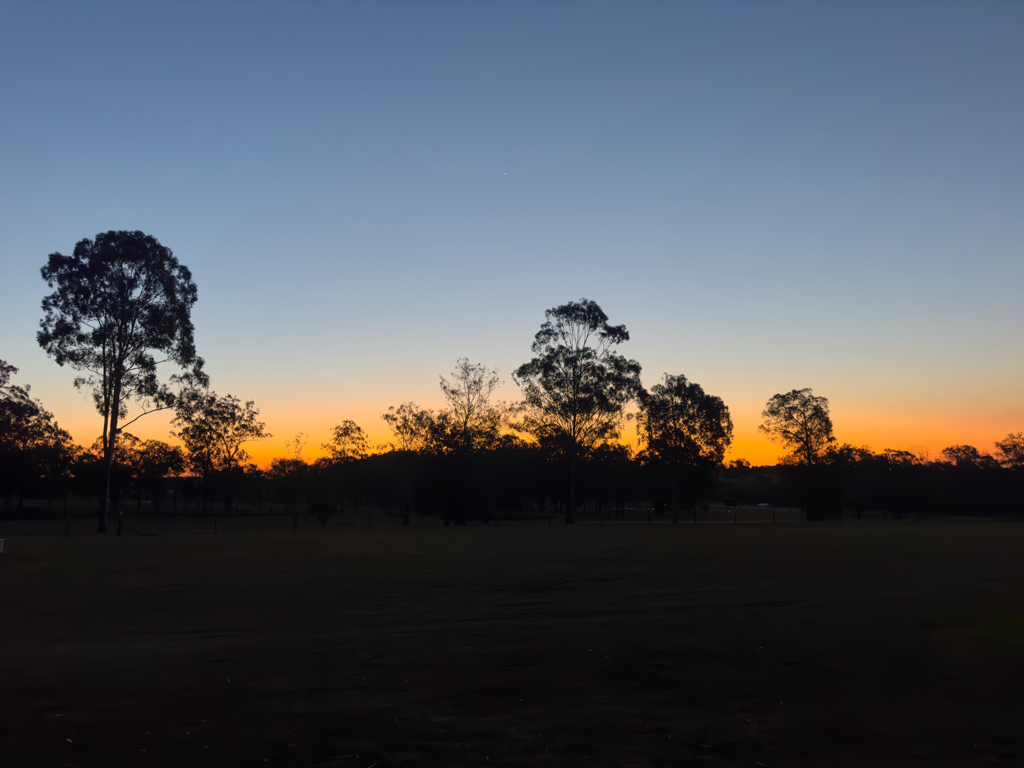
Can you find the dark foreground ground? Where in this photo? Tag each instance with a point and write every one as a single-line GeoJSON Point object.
{"type": "Point", "coordinates": [859, 644]}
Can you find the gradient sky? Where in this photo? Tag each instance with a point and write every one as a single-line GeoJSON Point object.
{"type": "Point", "coordinates": [768, 195]}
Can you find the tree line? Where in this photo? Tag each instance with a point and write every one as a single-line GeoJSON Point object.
{"type": "Point", "coordinates": [120, 313]}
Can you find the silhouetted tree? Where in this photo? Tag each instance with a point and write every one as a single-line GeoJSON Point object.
{"type": "Point", "coordinates": [900, 458]}
{"type": "Point", "coordinates": [213, 430]}
{"type": "Point", "coordinates": [32, 445]}
{"type": "Point", "coordinates": [472, 422]}
{"type": "Point", "coordinates": [845, 454]}
{"type": "Point", "coordinates": [348, 443]}
{"type": "Point", "coordinates": [119, 299]}
{"type": "Point", "coordinates": [576, 388]}
{"type": "Point", "coordinates": [799, 421]}
{"type": "Point", "coordinates": [684, 431]}
{"type": "Point", "coordinates": [967, 456]}
{"type": "Point", "coordinates": [410, 424]}
{"type": "Point", "coordinates": [1010, 451]}
{"type": "Point", "coordinates": [439, 456]}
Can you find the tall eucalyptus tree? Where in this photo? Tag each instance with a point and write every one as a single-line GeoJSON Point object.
{"type": "Point", "coordinates": [576, 388]}
{"type": "Point", "coordinates": [121, 306]}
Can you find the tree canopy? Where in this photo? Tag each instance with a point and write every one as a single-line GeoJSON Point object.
{"type": "Point", "coordinates": [213, 430]}
{"type": "Point", "coordinates": [31, 441]}
{"type": "Point", "coordinates": [967, 457]}
{"type": "Point", "coordinates": [800, 421]}
{"type": "Point", "coordinates": [410, 425]}
{"type": "Point", "coordinates": [680, 424]}
{"type": "Point", "coordinates": [1010, 451]}
{"type": "Point", "coordinates": [24, 422]}
{"type": "Point", "coordinates": [348, 443]}
{"type": "Point", "coordinates": [577, 387]}
{"type": "Point", "coordinates": [472, 422]}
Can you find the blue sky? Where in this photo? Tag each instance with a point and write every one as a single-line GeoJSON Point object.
{"type": "Point", "coordinates": [768, 195]}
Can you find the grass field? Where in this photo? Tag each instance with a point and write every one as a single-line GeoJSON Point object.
{"type": "Point", "coordinates": [855, 644]}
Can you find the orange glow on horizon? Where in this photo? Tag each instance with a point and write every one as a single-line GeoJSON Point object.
{"type": "Point", "coordinates": [874, 428]}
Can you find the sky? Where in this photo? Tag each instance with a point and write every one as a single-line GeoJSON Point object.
{"type": "Point", "coordinates": [770, 196]}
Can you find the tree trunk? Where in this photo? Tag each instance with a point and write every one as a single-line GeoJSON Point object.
{"type": "Point", "coordinates": [105, 506]}
{"type": "Point", "coordinates": [113, 405]}
{"type": "Point", "coordinates": [675, 509]}
{"type": "Point", "coordinates": [571, 508]}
